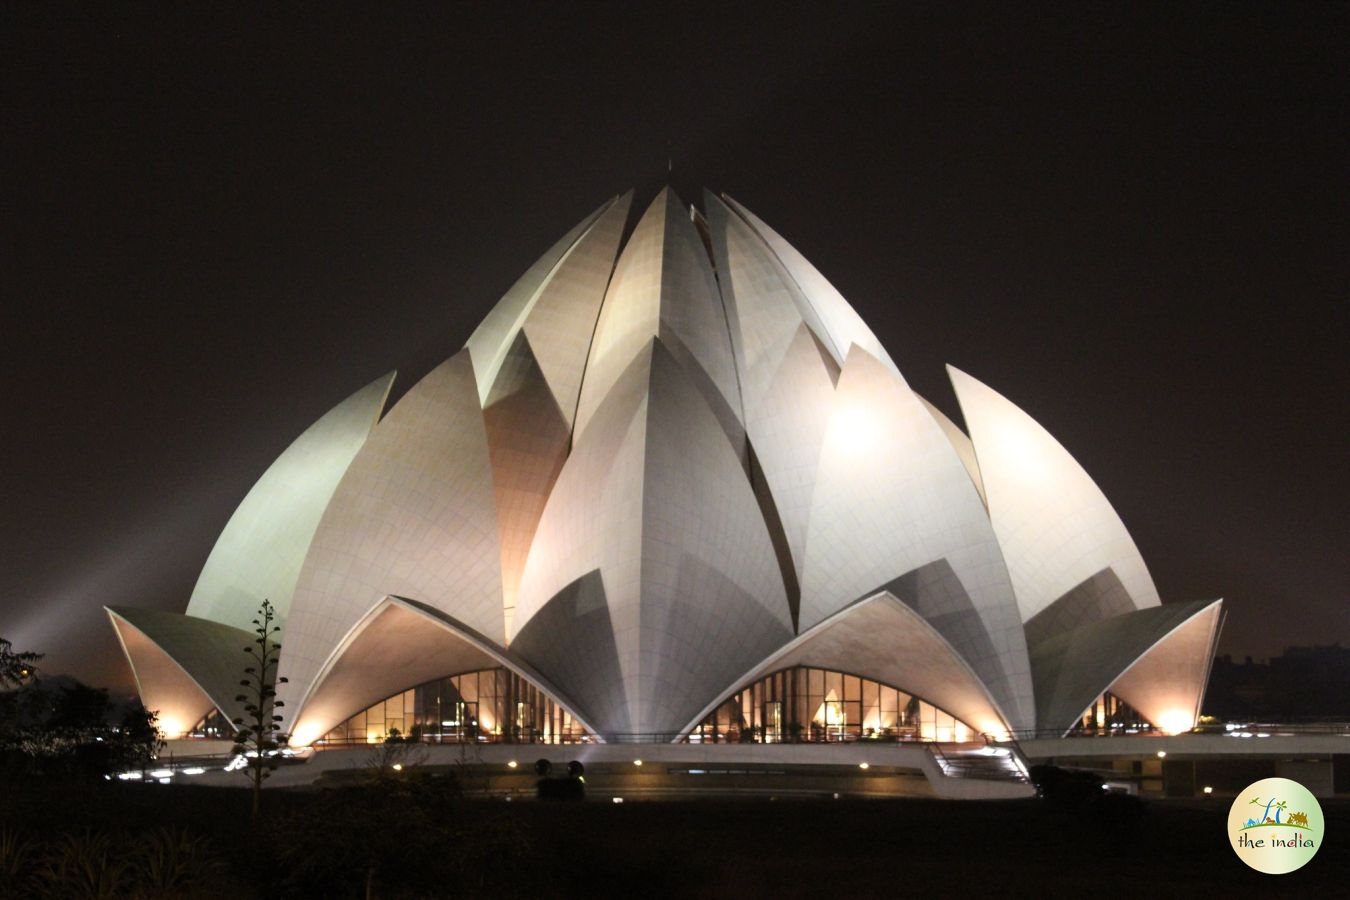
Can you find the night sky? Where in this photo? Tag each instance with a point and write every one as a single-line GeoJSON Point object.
{"type": "Point", "coordinates": [1133, 223]}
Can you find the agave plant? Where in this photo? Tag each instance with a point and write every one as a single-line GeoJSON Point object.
{"type": "Point", "coordinates": [172, 862]}
{"type": "Point", "coordinates": [84, 864]}
{"type": "Point", "coordinates": [18, 861]}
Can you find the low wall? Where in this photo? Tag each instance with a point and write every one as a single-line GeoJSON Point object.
{"type": "Point", "coordinates": [666, 770]}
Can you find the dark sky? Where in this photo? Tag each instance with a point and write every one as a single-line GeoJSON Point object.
{"type": "Point", "coordinates": [1131, 222]}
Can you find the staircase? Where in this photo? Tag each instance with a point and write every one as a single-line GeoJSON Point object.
{"type": "Point", "coordinates": [979, 770]}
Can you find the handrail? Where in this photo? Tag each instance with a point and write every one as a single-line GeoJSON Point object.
{"type": "Point", "coordinates": [1237, 730]}
{"type": "Point", "coordinates": [628, 738]}
{"type": "Point", "coordinates": [1232, 729]}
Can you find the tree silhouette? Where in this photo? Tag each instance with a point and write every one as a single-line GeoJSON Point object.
{"type": "Point", "coordinates": [16, 668]}
{"type": "Point", "coordinates": [259, 736]}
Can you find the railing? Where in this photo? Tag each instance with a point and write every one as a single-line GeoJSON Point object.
{"type": "Point", "coordinates": [1264, 729]}
{"type": "Point", "coordinates": [1231, 729]}
{"type": "Point", "coordinates": [670, 737]}
{"type": "Point", "coordinates": [1235, 730]}
{"type": "Point", "coordinates": [456, 741]}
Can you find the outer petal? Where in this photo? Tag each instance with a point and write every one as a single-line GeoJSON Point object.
{"type": "Point", "coordinates": [1056, 527]}
{"type": "Point", "coordinates": [398, 645]}
{"type": "Point", "coordinates": [259, 554]}
{"type": "Point", "coordinates": [184, 666]}
{"type": "Point", "coordinates": [882, 638]}
{"type": "Point", "coordinates": [572, 638]}
{"type": "Point", "coordinates": [1167, 684]}
{"type": "Point", "coordinates": [1155, 659]}
{"type": "Point", "coordinates": [414, 517]}
{"type": "Point", "coordinates": [893, 497]}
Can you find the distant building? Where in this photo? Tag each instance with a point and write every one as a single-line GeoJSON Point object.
{"type": "Point", "coordinates": [1302, 683]}
{"type": "Point", "coordinates": [674, 488]}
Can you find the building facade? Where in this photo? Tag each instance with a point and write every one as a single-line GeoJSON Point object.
{"type": "Point", "coordinates": [674, 489]}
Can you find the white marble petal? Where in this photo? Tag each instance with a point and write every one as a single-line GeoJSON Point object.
{"type": "Point", "coordinates": [964, 447]}
{"type": "Point", "coordinates": [528, 440]}
{"type": "Point", "coordinates": [1167, 684]}
{"type": "Point", "coordinates": [493, 337]}
{"type": "Point", "coordinates": [883, 638]}
{"type": "Point", "coordinates": [787, 376]}
{"type": "Point", "coordinates": [663, 286]}
{"type": "Point", "coordinates": [654, 499]}
{"type": "Point", "coordinates": [414, 517]}
{"type": "Point", "coordinates": [1056, 527]}
{"type": "Point", "coordinates": [837, 318]}
{"type": "Point", "coordinates": [561, 321]}
{"type": "Point", "coordinates": [258, 555]}
{"type": "Point", "coordinates": [396, 646]}
{"type": "Point", "coordinates": [184, 666]}
{"type": "Point", "coordinates": [892, 497]}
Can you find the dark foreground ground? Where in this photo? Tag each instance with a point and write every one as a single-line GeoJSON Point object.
{"type": "Point", "coordinates": [335, 844]}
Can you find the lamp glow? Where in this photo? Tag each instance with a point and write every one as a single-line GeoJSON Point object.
{"type": "Point", "coordinates": [303, 736]}
{"type": "Point", "coordinates": [1176, 721]}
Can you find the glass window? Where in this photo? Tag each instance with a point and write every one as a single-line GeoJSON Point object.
{"type": "Point", "coordinates": [473, 706]}
{"type": "Point", "coordinates": [802, 703]}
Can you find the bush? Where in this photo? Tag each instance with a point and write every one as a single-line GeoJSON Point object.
{"type": "Point", "coordinates": [164, 863]}
{"type": "Point", "coordinates": [391, 835]}
{"type": "Point", "coordinates": [18, 864]}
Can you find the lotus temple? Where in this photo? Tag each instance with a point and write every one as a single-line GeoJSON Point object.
{"type": "Point", "coordinates": [673, 494]}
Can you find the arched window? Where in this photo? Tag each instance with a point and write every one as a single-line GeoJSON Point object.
{"type": "Point", "coordinates": [485, 706]}
{"type": "Point", "coordinates": [1109, 715]}
{"type": "Point", "coordinates": [804, 704]}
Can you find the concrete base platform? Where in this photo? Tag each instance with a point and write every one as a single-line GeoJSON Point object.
{"type": "Point", "coordinates": [638, 771]}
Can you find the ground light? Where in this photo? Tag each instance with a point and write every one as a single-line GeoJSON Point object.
{"type": "Point", "coordinates": [1162, 754]}
{"type": "Point", "coordinates": [863, 765]}
{"type": "Point", "coordinates": [511, 764]}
